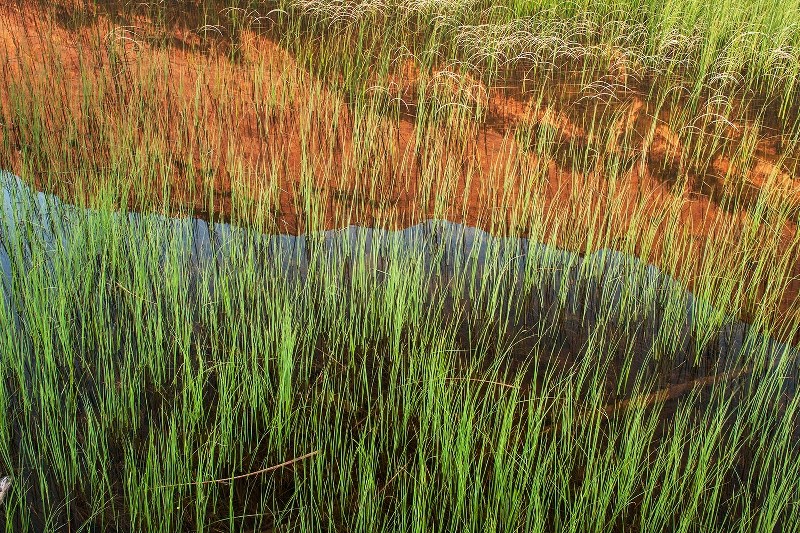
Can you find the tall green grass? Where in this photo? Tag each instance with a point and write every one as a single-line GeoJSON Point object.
{"type": "Point", "coordinates": [422, 383]}
{"type": "Point", "coordinates": [421, 387]}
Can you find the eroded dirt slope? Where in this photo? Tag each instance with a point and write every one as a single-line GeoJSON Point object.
{"type": "Point", "coordinates": [214, 130]}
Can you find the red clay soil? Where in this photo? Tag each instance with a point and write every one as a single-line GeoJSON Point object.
{"type": "Point", "coordinates": [238, 135]}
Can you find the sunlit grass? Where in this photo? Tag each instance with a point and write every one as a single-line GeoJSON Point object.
{"type": "Point", "coordinates": [437, 379]}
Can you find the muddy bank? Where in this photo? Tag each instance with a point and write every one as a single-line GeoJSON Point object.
{"type": "Point", "coordinates": [298, 153]}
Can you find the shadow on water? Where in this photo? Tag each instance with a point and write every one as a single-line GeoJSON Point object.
{"type": "Point", "coordinates": [534, 298]}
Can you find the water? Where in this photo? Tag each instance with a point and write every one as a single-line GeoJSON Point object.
{"type": "Point", "coordinates": [580, 293]}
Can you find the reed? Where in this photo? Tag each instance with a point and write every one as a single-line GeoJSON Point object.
{"type": "Point", "coordinates": [537, 374]}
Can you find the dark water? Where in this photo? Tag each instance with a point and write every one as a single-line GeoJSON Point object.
{"type": "Point", "coordinates": [535, 282]}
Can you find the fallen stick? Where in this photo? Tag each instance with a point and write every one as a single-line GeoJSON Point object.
{"type": "Point", "coordinates": [671, 392]}
{"type": "Point", "coordinates": [240, 476]}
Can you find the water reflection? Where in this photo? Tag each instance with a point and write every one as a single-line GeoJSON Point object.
{"type": "Point", "coordinates": [540, 283]}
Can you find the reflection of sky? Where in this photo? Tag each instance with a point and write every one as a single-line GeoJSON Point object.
{"type": "Point", "coordinates": [5, 261]}
{"type": "Point", "coordinates": [605, 283]}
